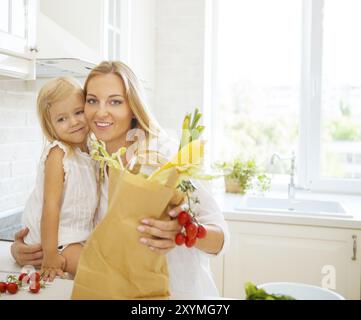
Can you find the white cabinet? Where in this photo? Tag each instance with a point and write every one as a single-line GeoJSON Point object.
{"type": "Point", "coordinates": [216, 264]}
{"type": "Point", "coordinates": [17, 38]}
{"type": "Point", "coordinates": [265, 252]}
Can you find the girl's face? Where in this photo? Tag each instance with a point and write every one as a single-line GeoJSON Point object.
{"type": "Point", "coordinates": [107, 111]}
{"type": "Point", "coordinates": [68, 120]}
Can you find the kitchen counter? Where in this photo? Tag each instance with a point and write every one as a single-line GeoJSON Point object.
{"type": "Point", "coordinates": [60, 289]}
{"type": "Point", "coordinates": [352, 203]}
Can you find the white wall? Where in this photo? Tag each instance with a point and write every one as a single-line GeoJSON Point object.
{"type": "Point", "coordinates": [180, 30]}
{"type": "Point", "coordinates": [82, 18]}
{"type": "Point", "coordinates": [143, 45]}
{"type": "Point", "coordinates": [20, 143]}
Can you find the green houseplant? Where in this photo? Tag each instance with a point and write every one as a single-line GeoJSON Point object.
{"type": "Point", "coordinates": [243, 175]}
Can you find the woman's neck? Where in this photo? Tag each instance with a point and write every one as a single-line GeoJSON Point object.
{"type": "Point", "coordinates": [114, 146]}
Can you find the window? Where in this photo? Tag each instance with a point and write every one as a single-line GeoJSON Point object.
{"type": "Point", "coordinates": [287, 76]}
{"type": "Point", "coordinates": [341, 91]}
{"type": "Point", "coordinates": [116, 31]}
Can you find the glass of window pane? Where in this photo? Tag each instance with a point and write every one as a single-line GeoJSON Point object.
{"type": "Point", "coordinates": [258, 71]}
{"type": "Point", "coordinates": [4, 15]}
{"type": "Point", "coordinates": [18, 17]}
{"type": "Point", "coordinates": [341, 90]}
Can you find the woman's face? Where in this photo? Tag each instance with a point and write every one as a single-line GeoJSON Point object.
{"type": "Point", "coordinates": [107, 111]}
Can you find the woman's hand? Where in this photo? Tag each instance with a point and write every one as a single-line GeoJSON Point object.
{"type": "Point", "coordinates": [53, 265]}
{"type": "Point", "coordinates": [26, 254]}
{"type": "Point", "coordinates": [159, 235]}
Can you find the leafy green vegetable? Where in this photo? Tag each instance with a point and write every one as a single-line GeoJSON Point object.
{"type": "Point", "coordinates": [253, 293]}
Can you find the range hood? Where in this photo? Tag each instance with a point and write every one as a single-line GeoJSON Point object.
{"type": "Point", "coordinates": [61, 53]}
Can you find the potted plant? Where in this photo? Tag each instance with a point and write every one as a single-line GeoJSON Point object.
{"type": "Point", "coordinates": [243, 175]}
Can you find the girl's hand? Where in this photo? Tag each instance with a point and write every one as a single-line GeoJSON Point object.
{"type": "Point", "coordinates": [25, 254]}
{"type": "Point", "coordinates": [53, 265]}
{"type": "Point", "coordinates": [159, 235]}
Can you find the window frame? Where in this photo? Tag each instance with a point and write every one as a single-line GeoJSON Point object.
{"type": "Point", "coordinates": [123, 31]}
{"type": "Point", "coordinates": [308, 161]}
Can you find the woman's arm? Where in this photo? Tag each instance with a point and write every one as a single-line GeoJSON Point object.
{"type": "Point", "coordinates": [213, 242]}
{"type": "Point", "coordinates": [53, 262]}
{"type": "Point", "coordinates": [163, 235]}
{"type": "Point", "coordinates": [159, 235]}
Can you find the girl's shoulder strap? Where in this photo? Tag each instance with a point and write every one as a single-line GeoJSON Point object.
{"type": "Point", "coordinates": [50, 146]}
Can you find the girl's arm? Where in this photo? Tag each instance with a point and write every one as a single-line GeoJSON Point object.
{"type": "Point", "coordinates": [53, 263]}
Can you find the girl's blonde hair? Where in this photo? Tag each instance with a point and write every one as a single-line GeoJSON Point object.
{"type": "Point", "coordinates": [52, 92]}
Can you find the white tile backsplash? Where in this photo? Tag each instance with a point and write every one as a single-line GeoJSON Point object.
{"type": "Point", "coordinates": [21, 142]}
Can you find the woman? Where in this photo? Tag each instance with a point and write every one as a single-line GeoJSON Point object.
{"type": "Point", "coordinates": [113, 108]}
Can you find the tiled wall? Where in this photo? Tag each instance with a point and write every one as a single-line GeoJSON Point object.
{"type": "Point", "coordinates": [20, 142]}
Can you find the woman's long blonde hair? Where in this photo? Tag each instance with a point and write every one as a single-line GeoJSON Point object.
{"type": "Point", "coordinates": [134, 96]}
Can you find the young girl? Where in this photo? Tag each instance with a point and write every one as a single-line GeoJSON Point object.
{"type": "Point", "coordinates": [60, 210]}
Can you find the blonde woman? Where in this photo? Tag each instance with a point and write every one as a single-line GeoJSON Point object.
{"type": "Point", "coordinates": [59, 212]}
{"type": "Point", "coordinates": [113, 108]}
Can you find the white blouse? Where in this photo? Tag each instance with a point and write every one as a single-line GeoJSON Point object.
{"type": "Point", "coordinates": [189, 268]}
{"type": "Point", "coordinates": [79, 200]}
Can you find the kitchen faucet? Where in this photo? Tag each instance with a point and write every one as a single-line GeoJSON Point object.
{"type": "Point", "coordinates": [291, 186]}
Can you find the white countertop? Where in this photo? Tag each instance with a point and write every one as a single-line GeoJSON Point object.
{"type": "Point", "coordinates": [352, 203]}
{"type": "Point", "coordinates": [60, 289]}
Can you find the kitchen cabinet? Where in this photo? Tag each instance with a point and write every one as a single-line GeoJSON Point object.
{"type": "Point", "coordinates": [216, 264]}
{"type": "Point", "coordinates": [112, 29]}
{"type": "Point", "coordinates": [17, 38]}
{"type": "Point", "coordinates": [267, 252]}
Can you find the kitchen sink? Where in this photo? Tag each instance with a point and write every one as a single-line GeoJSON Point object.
{"type": "Point", "coordinates": [297, 206]}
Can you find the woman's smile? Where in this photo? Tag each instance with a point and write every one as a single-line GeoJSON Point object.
{"type": "Point", "coordinates": [102, 125]}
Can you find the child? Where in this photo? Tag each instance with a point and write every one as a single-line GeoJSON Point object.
{"type": "Point", "coordinates": [60, 210]}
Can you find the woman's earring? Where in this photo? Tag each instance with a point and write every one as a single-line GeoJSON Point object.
{"type": "Point", "coordinates": [134, 123]}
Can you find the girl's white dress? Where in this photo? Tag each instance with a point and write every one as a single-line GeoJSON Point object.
{"type": "Point", "coordinates": [189, 268]}
{"type": "Point", "coordinates": [79, 200]}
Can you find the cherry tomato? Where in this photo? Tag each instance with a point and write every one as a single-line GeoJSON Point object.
{"type": "Point", "coordinates": [190, 242]}
{"type": "Point", "coordinates": [179, 239]}
{"type": "Point", "coordinates": [24, 278]}
{"type": "Point", "coordinates": [35, 277]}
{"type": "Point", "coordinates": [35, 287]}
{"type": "Point", "coordinates": [202, 232]}
{"type": "Point", "coordinates": [183, 218]}
{"type": "Point", "coordinates": [191, 230]}
{"type": "Point", "coordinates": [12, 287]}
{"type": "Point", "coordinates": [3, 287]}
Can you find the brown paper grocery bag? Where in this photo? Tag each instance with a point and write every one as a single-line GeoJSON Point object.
{"type": "Point", "coordinates": [114, 264]}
